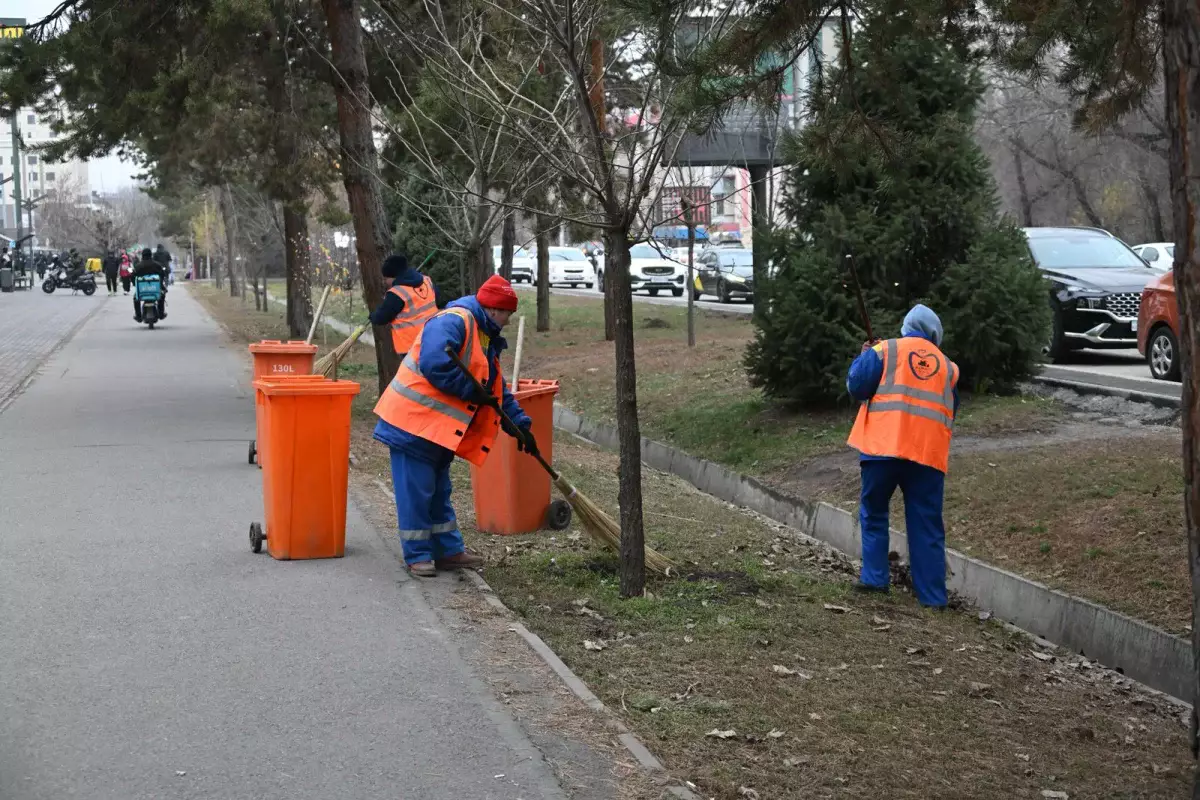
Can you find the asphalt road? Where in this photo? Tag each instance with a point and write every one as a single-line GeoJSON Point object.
{"type": "Point", "coordinates": [1121, 369]}
{"type": "Point", "coordinates": [147, 653]}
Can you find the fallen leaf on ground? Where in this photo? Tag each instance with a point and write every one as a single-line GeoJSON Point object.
{"type": "Point", "coordinates": [1042, 656]}
{"type": "Point", "coordinates": [717, 733]}
{"type": "Point", "coordinates": [914, 651]}
{"type": "Point", "coordinates": [877, 620]}
{"type": "Point", "coordinates": [883, 628]}
{"type": "Point", "coordinates": [775, 733]}
{"type": "Point", "coordinates": [814, 715]}
{"type": "Point", "coordinates": [795, 762]}
{"type": "Point", "coordinates": [688, 639]}
{"type": "Point", "coordinates": [762, 603]}
{"type": "Point", "coordinates": [780, 669]}
{"type": "Point", "coordinates": [976, 689]}
{"type": "Point", "coordinates": [836, 609]}
{"type": "Point", "coordinates": [599, 644]}
{"type": "Point", "coordinates": [748, 793]}
{"type": "Point", "coordinates": [937, 671]}
{"type": "Point", "coordinates": [984, 616]}
{"type": "Point", "coordinates": [1023, 756]}
{"type": "Point", "coordinates": [1051, 794]}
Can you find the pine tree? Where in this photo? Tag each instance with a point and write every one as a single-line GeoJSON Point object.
{"type": "Point", "coordinates": [889, 172]}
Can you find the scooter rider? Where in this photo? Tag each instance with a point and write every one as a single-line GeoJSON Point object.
{"type": "Point", "coordinates": [148, 266]}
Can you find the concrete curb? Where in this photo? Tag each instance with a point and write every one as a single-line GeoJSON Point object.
{"type": "Point", "coordinates": [1082, 387]}
{"type": "Point", "coordinates": [572, 681]}
{"type": "Point", "coordinates": [1136, 649]}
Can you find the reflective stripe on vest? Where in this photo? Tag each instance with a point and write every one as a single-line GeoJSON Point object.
{"type": "Point", "coordinates": [415, 405]}
{"type": "Point", "coordinates": [420, 305]}
{"type": "Point", "coordinates": [904, 419]}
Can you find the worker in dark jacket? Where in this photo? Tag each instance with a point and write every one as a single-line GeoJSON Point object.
{"type": "Point", "coordinates": [148, 266]}
{"type": "Point", "coordinates": [410, 302]}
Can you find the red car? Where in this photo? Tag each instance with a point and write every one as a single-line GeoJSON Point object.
{"type": "Point", "coordinates": [1158, 328]}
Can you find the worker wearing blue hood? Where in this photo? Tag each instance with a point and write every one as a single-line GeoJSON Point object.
{"type": "Point", "coordinates": [908, 390]}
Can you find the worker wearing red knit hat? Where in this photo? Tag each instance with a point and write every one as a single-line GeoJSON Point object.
{"type": "Point", "coordinates": [432, 412]}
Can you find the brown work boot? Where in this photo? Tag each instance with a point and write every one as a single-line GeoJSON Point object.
{"type": "Point", "coordinates": [422, 569]}
{"type": "Point", "coordinates": [464, 560]}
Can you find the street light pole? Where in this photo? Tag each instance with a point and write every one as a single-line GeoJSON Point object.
{"type": "Point", "coordinates": [18, 166]}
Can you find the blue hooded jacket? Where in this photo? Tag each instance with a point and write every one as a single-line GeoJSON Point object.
{"type": "Point", "coordinates": [441, 371]}
{"type": "Point", "coordinates": [866, 371]}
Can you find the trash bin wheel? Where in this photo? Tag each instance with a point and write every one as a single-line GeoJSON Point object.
{"type": "Point", "coordinates": [558, 516]}
{"type": "Point", "coordinates": [253, 453]}
{"type": "Point", "coordinates": [257, 537]}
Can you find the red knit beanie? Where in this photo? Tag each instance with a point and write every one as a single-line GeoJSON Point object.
{"type": "Point", "coordinates": [497, 293]}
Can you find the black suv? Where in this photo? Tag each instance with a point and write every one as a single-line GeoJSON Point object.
{"type": "Point", "coordinates": [1096, 287]}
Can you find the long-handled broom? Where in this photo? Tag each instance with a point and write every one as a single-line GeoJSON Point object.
{"type": "Point", "coordinates": [599, 525]}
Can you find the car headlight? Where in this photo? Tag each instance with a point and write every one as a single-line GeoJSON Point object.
{"type": "Point", "coordinates": [735, 278]}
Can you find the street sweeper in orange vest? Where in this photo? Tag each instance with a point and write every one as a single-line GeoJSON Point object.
{"type": "Point", "coordinates": [431, 412]}
{"type": "Point", "coordinates": [909, 395]}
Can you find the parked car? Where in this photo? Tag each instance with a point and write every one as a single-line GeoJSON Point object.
{"type": "Point", "coordinates": [726, 272]}
{"type": "Point", "coordinates": [1158, 328]}
{"type": "Point", "coordinates": [653, 269]}
{"type": "Point", "coordinates": [1096, 285]}
{"type": "Point", "coordinates": [570, 267]}
{"type": "Point", "coordinates": [523, 264]}
{"type": "Point", "coordinates": [1160, 255]}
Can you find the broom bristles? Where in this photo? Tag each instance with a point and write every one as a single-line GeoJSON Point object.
{"type": "Point", "coordinates": [601, 527]}
{"type": "Point", "coordinates": [326, 365]}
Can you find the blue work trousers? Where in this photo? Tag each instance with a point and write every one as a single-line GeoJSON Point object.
{"type": "Point", "coordinates": [428, 528]}
{"type": "Point", "coordinates": [922, 487]}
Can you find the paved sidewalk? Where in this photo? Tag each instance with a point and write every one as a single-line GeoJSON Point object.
{"type": "Point", "coordinates": [147, 653]}
{"type": "Point", "coordinates": [32, 323]}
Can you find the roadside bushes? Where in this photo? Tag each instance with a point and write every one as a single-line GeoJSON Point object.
{"type": "Point", "coordinates": [888, 170]}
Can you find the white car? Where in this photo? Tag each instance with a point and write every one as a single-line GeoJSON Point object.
{"type": "Point", "coordinates": [652, 269]}
{"type": "Point", "coordinates": [1159, 255]}
{"type": "Point", "coordinates": [523, 264]}
{"type": "Point", "coordinates": [570, 267]}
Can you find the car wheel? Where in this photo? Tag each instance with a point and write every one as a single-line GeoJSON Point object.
{"type": "Point", "coordinates": [1056, 349]}
{"type": "Point", "coordinates": [723, 293]}
{"type": "Point", "coordinates": [1162, 353]}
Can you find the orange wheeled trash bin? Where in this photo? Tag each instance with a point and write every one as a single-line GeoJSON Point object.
{"type": "Point", "coordinates": [306, 470]}
{"type": "Point", "coordinates": [512, 491]}
{"type": "Point", "coordinates": [273, 359]}
{"type": "Point", "coordinates": [258, 447]}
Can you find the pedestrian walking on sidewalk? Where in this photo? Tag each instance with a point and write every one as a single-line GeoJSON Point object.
{"type": "Point", "coordinates": [432, 412]}
{"type": "Point", "coordinates": [112, 267]}
{"type": "Point", "coordinates": [909, 395]}
{"type": "Point", "coordinates": [411, 301]}
{"type": "Point", "coordinates": [126, 271]}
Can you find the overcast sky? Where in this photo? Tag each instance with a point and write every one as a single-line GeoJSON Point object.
{"type": "Point", "coordinates": [106, 174]}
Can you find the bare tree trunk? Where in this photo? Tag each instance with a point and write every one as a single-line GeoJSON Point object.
{"type": "Point", "coordinates": [1085, 203]}
{"type": "Point", "coordinates": [691, 282]}
{"type": "Point", "coordinates": [1181, 28]}
{"type": "Point", "coordinates": [226, 203]}
{"type": "Point", "coordinates": [508, 243]}
{"type": "Point", "coordinates": [760, 223]}
{"type": "Point", "coordinates": [1154, 214]}
{"type": "Point", "coordinates": [629, 493]}
{"type": "Point", "coordinates": [543, 273]}
{"type": "Point", "coordinates": [479, 263]}
{"type": "Point", "coordinates": [299, 264]}
{"type": "Point", "coordinates": [1023, 189]}
{"type": "Point", "coordinates": [360, 165]}
{"type": "Point", "coordinates": [610, 325]}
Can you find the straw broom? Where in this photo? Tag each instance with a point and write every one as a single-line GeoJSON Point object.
{"type": "Point", "coordinates": [599, 525]}
{"type": "Point", "coordinates": [327, 365]}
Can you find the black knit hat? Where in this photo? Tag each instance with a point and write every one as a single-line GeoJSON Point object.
{"type": "Point", "coordinates": [393, 265]}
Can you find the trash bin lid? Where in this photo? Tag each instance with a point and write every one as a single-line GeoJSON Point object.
{"type": "Point", "coordinates": [277, 346]}
{"type": "Point", "coordinates": [288, 388]}
{"type": "Point", "coordinates": [534, 388]}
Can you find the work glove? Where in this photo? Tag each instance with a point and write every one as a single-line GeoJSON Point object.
{"type": "Point", "coordinates": [481, 397]}
{"type": "Point", "coordinates": [525, 441]}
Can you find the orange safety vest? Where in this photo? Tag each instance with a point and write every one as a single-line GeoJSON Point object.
{"type": "Point", "coordinates": [911, 415]}
{"type": "Point", "coordinates": [413, 404]}
{"type": "Point", "coordinates": [420, 306]}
